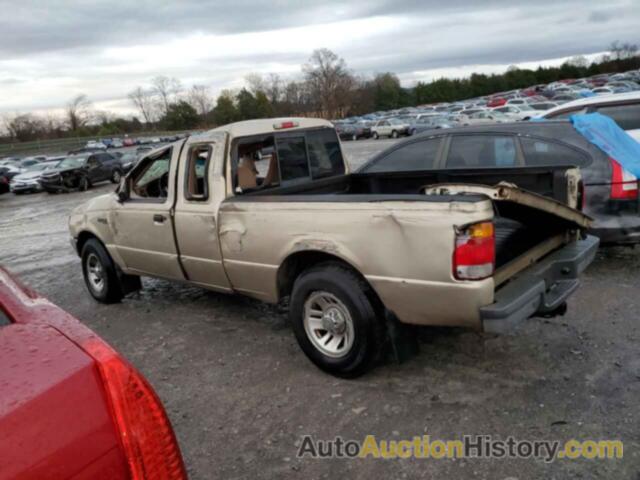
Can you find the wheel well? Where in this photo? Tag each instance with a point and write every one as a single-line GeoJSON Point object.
{"type": "Point", "coordinates": [83, 237]}
{"type": "Point", "coordinates": [298, 262]}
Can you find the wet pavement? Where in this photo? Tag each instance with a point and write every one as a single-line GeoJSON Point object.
{"type": "Point", "coordinates": [241, 394]}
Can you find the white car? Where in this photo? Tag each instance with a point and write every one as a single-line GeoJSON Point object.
{"type": "Point", "coordinates": [94, 144]}
{"type": "Point", "coordinates": [483, 118]}
{"type": "Point", "coordinates": [623, 108]}
{"type": "Point", "coordinates": [390, 127]}
{"type": "Point", "coordinates": [522, 112]}
{"type": "Point", "coordinates": [518, 102]}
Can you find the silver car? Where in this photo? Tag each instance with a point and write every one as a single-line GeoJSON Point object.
{"type": "Point", "coordinates": [28, 180]}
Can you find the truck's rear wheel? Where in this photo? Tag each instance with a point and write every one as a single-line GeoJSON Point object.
{"type": "Point", "coordinates": [334, 320]}
{"type": "Point", "coordinates": [100, 274]}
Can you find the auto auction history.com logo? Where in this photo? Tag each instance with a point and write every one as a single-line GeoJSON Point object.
{"type": "Point", "coordinates": [469, 446]}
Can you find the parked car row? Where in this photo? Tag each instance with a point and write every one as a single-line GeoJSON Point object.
{"type": "Point", "coordinates": [106, 143]}
{"type": "Point", "coordinates": [71, 172]}
{"type": "Point", "coordinates": [514, 105]}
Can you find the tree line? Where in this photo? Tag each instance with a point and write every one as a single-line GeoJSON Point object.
{"type": "Point", "coordinates": [326, 88]}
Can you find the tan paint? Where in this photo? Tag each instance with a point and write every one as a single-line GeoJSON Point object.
{"type": "Point", "coordinates": [402, 248]}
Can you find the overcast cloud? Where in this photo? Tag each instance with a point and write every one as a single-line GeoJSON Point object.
{"type": "Point", "coordinates": [52, 50]}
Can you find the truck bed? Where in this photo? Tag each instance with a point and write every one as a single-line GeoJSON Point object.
{"type": "Point", "coordinates": [518, 228]}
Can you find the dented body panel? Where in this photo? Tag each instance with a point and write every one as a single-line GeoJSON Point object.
{"type": "Point", "coordinates": [230, 241]}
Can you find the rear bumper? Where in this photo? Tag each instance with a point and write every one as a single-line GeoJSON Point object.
{"type": "Point", "coordinates": [619, 235]}
{"type": "Point", "coordinates": [541, 288]}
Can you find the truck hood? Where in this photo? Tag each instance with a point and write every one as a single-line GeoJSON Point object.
{"type": "Point", "coordinates": [510, 193]}
{"type": "Point", "coordinates": [101, 202]}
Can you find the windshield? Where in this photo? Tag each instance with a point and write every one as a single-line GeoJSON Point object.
{"type": "Point", "coordinates": [37, 167]}
{"type": "Point", "coordinates": [72, 162]}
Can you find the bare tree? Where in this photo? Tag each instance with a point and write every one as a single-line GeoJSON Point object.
{"type": "Point", "coordinates": [199, 97]}
{"type": "Point", "coordinates": [623, 51]}
{"type": "Point", "coordinates": [78, 112]}
{"type": "Point", "coordinates": [143, 101]}
{"type": "Point", "coordinates": [273, 88]}
{"type": "Point", "coordinates": [25, 127]}
{"type": "Point", "coordinates": [166, 89]}
{"type": "Point", "coordinates": [578, 61]}
{"type": "Point", "coordinates": [255, 83]}
{"type": "Point", "coordinates": [329, 82]}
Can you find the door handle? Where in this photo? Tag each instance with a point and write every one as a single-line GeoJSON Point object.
{"type": "Point", "coordinates": [157, 218]}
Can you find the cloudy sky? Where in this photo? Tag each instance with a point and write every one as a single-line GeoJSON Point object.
{"type": "Point", "coordinates": [52, 50]}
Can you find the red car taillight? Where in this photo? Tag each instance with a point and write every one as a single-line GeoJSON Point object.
{"type": "Point", "coordinates": [475, 252]}
{"type": "Point", "coordinates": [145, 431]}
{"type": "Point", "coordinates": [624, 184]}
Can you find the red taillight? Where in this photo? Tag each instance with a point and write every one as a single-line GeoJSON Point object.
{"type": "Point", "coordinates": [475, 252]}
{"type": "Point", "coordinates": [145, 431]}
{"type": "Point", "coordinates": [624, 184]}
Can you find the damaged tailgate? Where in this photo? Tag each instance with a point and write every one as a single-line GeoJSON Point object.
{"type": "Point", "coordinates": [506, 192]}
{"type": "Point", "coordinates": [541, 249]}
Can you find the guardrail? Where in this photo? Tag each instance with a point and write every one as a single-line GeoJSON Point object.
{"type": "Point", "coordinates": [63, 145]}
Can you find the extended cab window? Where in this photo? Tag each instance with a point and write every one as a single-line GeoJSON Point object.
{"type": "Point", "coordinates": [541, 153]}
{"type": "Point", "coordinates": [420, 155]}
{"type": "Point", "coordinates": [477, 151]}
{"type": "Point", "coordinates": [150, 179]}
{"type": "Point", "coordinates": [196, 187]}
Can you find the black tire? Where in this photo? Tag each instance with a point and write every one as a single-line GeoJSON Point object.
{"type": "Point", "coordinates": [394, 134]}
{"type": "Point", "coordinates": [111, 290]}
{"type": "Point", "coordinates": [84, 184]}
{"type": "Point", "coordinates": [356, 295]}
{"type": "Point", "coordinates": [116, 175]}
{"type": "Point", "coordinates": [375, 135]}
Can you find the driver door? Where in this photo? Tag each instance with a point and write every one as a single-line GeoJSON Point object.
{"type": "Point", "coordinates": [143, 223]}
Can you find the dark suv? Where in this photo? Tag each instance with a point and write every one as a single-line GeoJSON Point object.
{"type": "Point", "coordinates": [80, 172]}
{"type": "Point", "coordinates": [610, 193]}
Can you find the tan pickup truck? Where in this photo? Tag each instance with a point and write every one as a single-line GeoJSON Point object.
{"type": "Point", "coordinates": [269, 209]}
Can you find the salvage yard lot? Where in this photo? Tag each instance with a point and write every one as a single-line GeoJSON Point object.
{"type": "Point", "coordinates": [241, 394]}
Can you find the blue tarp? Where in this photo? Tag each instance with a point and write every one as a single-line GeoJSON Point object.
{"type": "Point", "coordinates": [605, 134]}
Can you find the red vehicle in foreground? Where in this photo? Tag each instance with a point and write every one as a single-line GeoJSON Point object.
{"type": "Point", "coordinates": [70, 406]}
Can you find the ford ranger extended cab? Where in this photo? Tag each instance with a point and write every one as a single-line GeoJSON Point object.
{"type": "Point", "coordinates": [268, 208]}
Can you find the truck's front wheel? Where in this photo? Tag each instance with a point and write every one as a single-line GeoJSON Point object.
{"type": "Point", "coordinates": [100, 273]}
{"type": "Point", "coordinates": [334, 320]}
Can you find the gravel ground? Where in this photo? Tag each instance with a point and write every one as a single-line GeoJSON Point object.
{"type": "Point", "coordinates": [241, 394]}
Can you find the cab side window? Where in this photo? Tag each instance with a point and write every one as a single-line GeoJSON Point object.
{"type": "Point", "coordinates": [196, 184]}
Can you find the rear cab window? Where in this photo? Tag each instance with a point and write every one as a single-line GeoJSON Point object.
{"type": "Point", "coordinates": [282, 159]}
